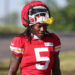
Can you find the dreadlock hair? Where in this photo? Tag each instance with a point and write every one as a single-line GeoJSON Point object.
{"type": "Point", "coordinates": [27, 33]}
{"type": "Point", "coordinates": [47, 33]}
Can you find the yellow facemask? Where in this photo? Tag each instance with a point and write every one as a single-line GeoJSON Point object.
{"type": "Point", "coordinates": [49, 20]}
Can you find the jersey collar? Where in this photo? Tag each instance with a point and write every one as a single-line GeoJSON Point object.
{"type": "Point", "coordinates": [35, 37]}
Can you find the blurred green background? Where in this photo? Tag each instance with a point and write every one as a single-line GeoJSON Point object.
{"type": "Point", "coordinates": [63, 12]}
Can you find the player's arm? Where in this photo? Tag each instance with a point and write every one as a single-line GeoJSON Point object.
{"type": "Point", "coordinates": [14, 64]}
{"type": "Point", "coordinates": [56, 67]}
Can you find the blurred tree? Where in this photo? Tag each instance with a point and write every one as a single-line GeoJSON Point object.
{"type": "Point", "coordinates": [13, 18]}
{"type": "Point", "coordinates": [65, 18]}
{"type": "Point", "coordinates": [71, 2]}
{"type": "Point", "coordinates": [68, 13]}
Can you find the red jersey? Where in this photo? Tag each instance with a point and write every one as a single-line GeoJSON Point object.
{"type": "Point", "coordinates": [37, 55]}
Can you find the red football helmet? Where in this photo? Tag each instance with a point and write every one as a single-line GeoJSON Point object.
{"type": "Point", "coordinates": [34, 12]}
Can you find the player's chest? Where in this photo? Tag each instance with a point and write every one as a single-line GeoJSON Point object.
{"type": "Point", "coordinates": [44, 48]}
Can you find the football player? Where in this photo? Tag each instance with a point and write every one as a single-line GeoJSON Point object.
{"type": "Point", "coordinates": [35, 50]}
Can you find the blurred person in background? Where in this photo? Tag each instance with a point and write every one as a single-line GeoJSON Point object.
{"type": "Point", "coordinates": [35, 50]}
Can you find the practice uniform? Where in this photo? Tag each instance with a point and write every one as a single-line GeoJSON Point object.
{"type": "Point", "coordinates": [37, 55]}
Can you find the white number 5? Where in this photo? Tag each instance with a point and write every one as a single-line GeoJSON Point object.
{"type": "Point", "coordinates": [38, 58]}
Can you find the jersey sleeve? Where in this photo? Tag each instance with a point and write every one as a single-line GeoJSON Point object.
{"type": "Point", "coordinates": [16, 46]}
{"type": "Point", "coordinates": [57, 44]}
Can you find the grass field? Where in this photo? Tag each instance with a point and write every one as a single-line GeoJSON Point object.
{"type": "Point", "coordinates": [67, 61]}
